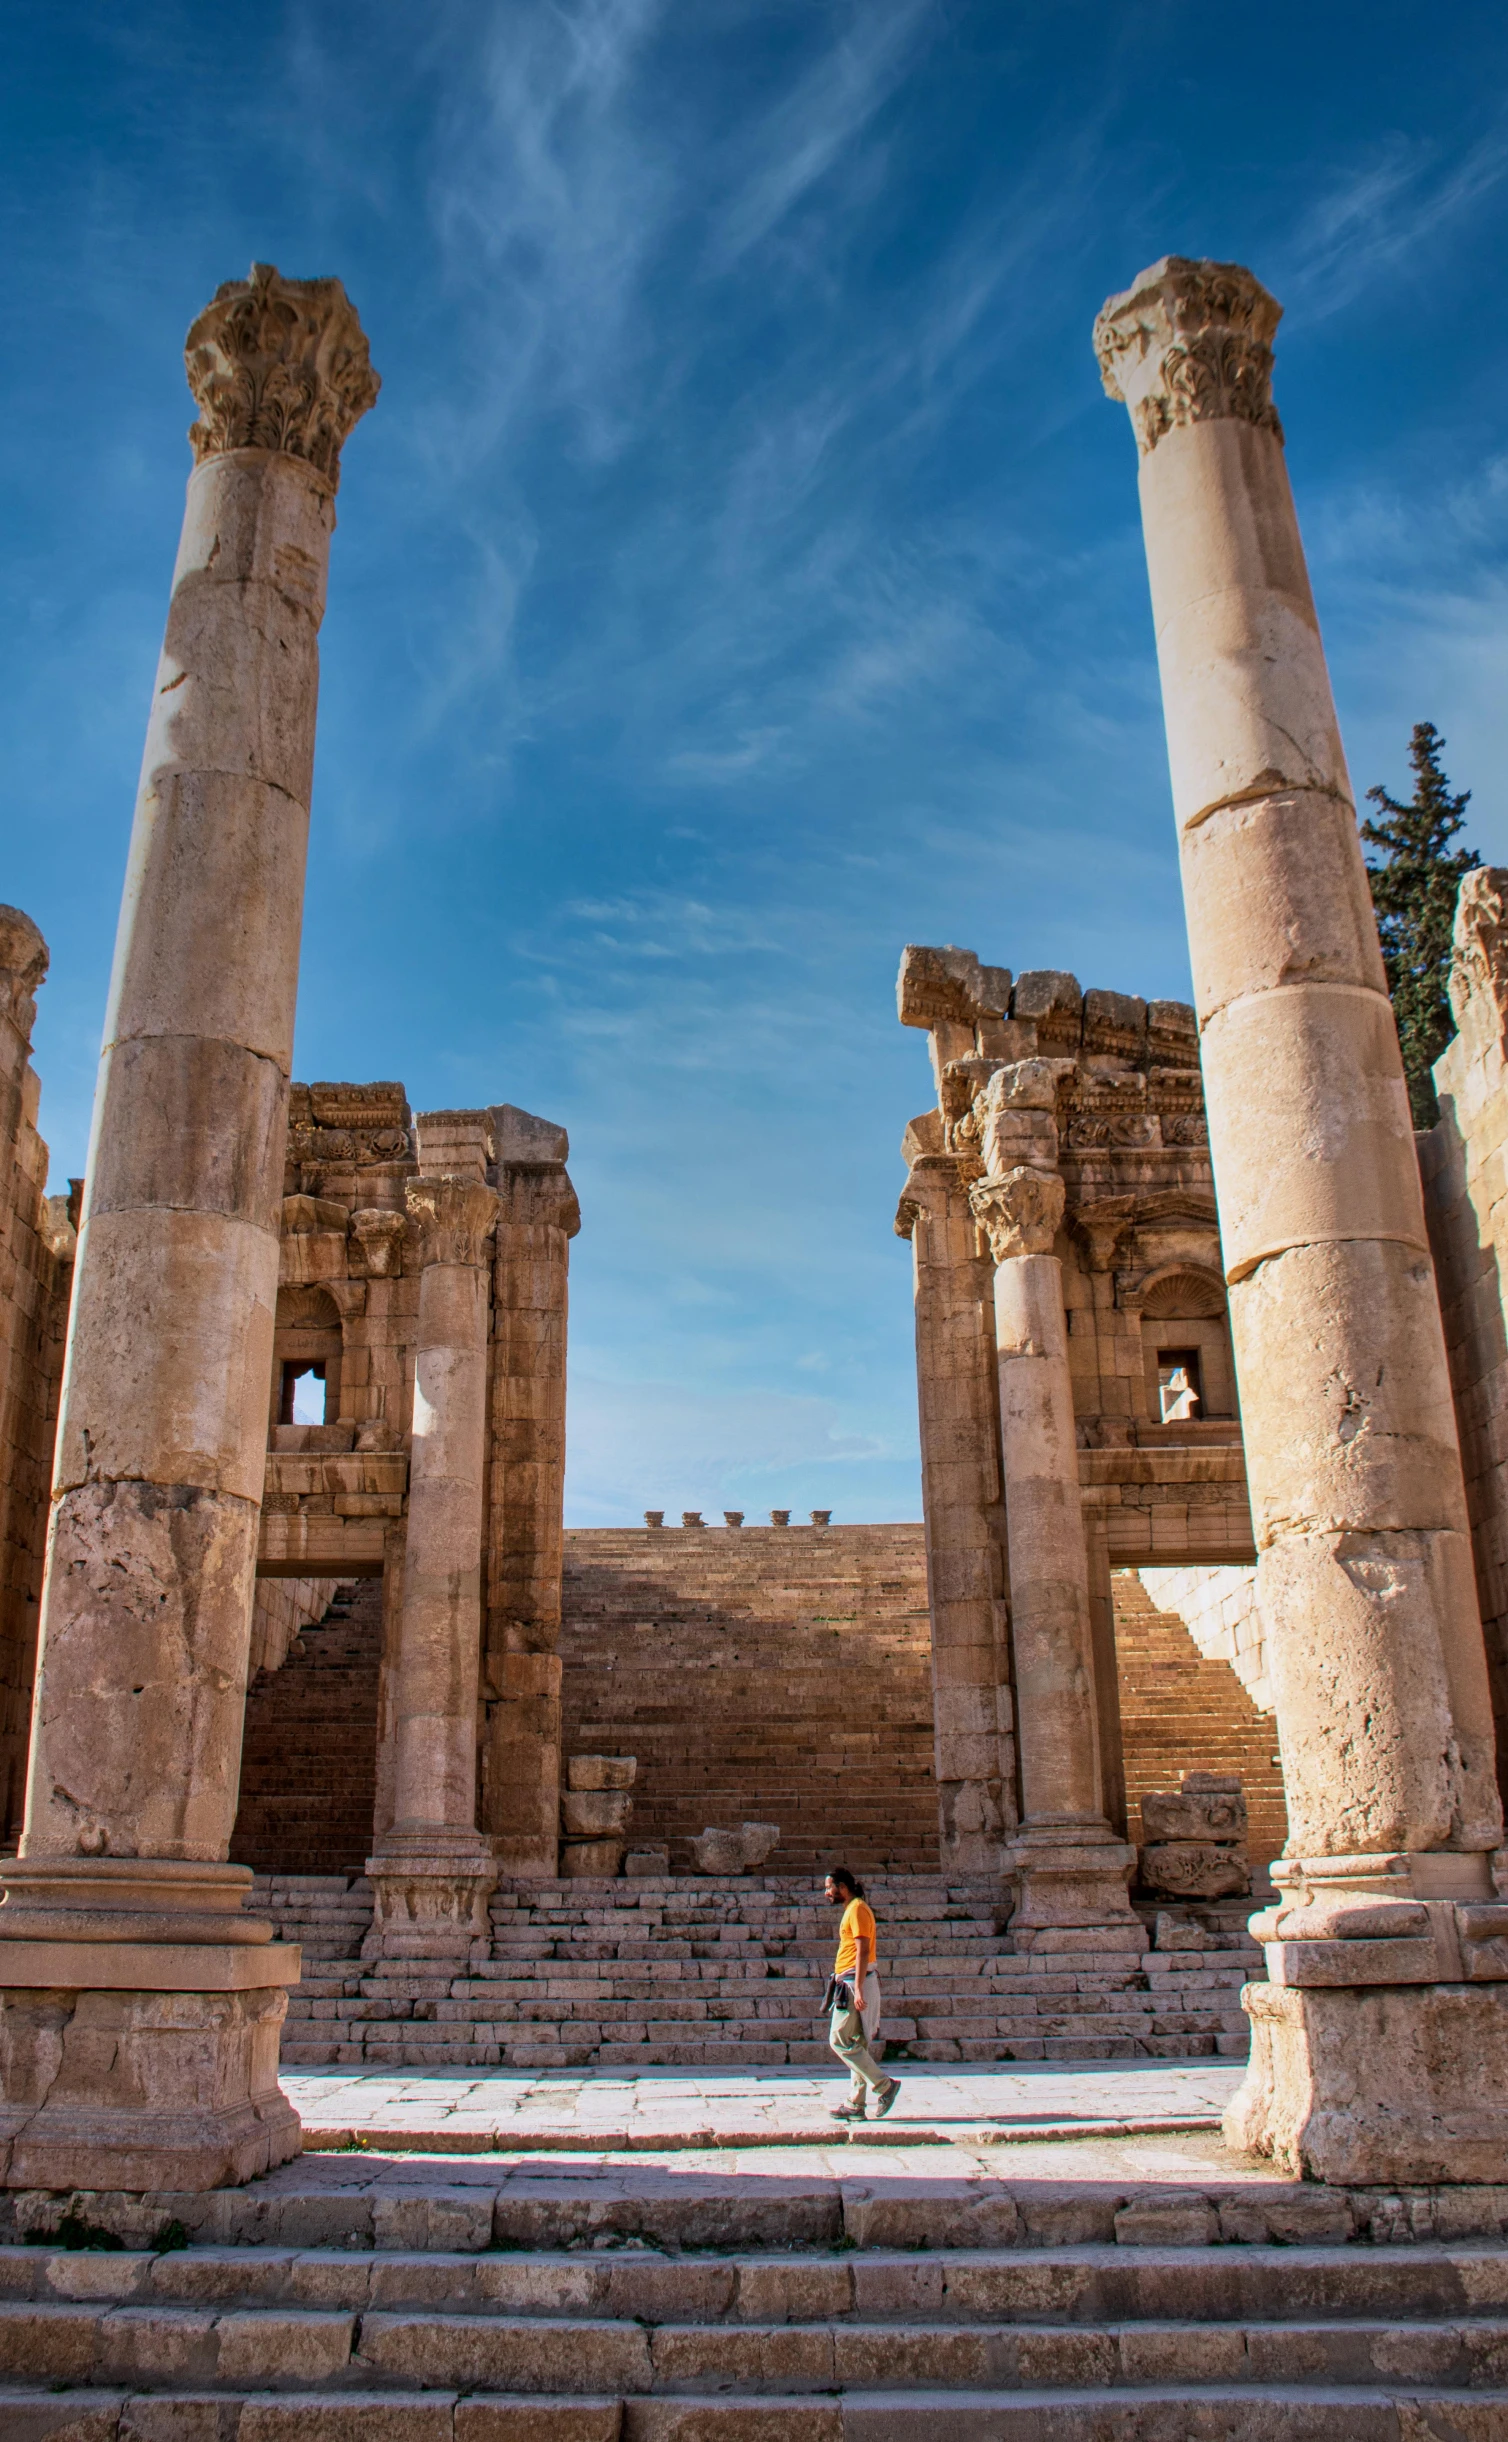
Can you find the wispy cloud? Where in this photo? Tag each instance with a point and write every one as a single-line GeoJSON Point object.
{"type": "Point", "coordinates": [1387, 206]}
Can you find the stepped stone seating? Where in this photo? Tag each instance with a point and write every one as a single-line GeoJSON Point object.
{"type": "Point", "coordinates": [362, 2300]}
{"type": "Point", "coordinates": [709, 1972]}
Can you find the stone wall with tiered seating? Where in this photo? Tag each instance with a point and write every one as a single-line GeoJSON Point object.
{"type": "Point", "coordinates": [777, 1673]}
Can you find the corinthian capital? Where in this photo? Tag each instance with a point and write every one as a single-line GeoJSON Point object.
{"type": "Point", "coordinates": [1020, 1213]}
{"type": "Point", "coordinates": [455, 1217]}
{"type": "Point", "coordinates": [1189, 342]}
{"type": "Point", "coordinates": [278, 364]}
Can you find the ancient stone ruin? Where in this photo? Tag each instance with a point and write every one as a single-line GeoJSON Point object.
{"type": "Point", "coordinates": [1210, 1353]}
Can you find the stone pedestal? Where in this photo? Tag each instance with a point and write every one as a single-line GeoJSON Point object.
{"type": "Point", "coordinates": [433, 1869]}
{"type": "Point", "coordinates": [1072, 1871]}
{"type": "Point", "coordinates": [164, 2077]}
{"type": "Point", "coordinates": [1365, 1573]}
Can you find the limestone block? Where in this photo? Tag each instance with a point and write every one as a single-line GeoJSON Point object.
{"type": "Point", "coordinates": [1376, 2086]}
{"type": "Point", "coordinates": [595, 1814]}
{"type": "Point", "coordinates": [734, 1852]}
{"type": "Point", "coordinates": [1276, 895]}
{"type": "Point", "coordinates": [601, 1771]}
{"type": "Point", "coordinates": [141, 2091]}
{"type": "Point", "coordinates": [591, 1857]}
{"type": "Point", "coordinates": [641, 1862]}
{"type": "Point", "coordinates": [1195, 1869]}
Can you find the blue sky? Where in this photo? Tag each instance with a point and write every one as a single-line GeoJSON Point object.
{"type": "Point", "coordinates": [740, 574]}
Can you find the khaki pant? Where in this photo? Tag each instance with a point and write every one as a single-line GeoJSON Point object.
{"type": "Point", "coordinates": [851, 2035]}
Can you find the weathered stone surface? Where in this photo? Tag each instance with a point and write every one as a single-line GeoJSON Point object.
{"type": "Point", "coordinates": [1195, 1869]}
{"type": "Point", "coordinates": [600, 1772]}
{"type": "Point", "coordinates": [735, 1852]}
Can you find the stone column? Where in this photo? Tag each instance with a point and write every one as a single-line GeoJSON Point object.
{"type": "Point", "coordinates": [966, 1557]}
{"type": "Point", "coordinates": [1380, 2041]}
{"type": "Point", "coordinates": [521, 1669]}
{"type": "Point", "coordinates": [1072, 1871]}
{"type": "Point", "coordinates": [141, 2008]}
{"type": "Point", "coordinates": [434, 1870]}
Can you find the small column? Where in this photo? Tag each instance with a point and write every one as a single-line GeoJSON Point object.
{"type": "Point", "coordinates": [1380, 2047]}
{"type": "Point", "coordinates": [521, 1670]}
{"type": "Point", "coordinates": [140, 2009]}
{"type": "Point", "coordinates": [1073, 1873]}
{"type": "Point", "coordinates": [966, 1558]}
{"type": "Point", "coordinates": [434, 1870]}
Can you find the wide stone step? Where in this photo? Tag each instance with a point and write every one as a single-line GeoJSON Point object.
{"type": "Point", "coordinates": [282, 2348]}
{"type": "Point", "coordinates": [1211, 2413]}
{"type": "Point", "coordinates": [1340, 2287]}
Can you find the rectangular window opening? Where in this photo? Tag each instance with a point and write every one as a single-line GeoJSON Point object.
{"type": "Point", "coordinates": [303, 1394]}
{"type": "Point", "coordinates": [1180, 1392]}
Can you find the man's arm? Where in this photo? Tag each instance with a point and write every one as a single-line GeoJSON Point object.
{"type": "Point", "coordinates": [863, 1951]}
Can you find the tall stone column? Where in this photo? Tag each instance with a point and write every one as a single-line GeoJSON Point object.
{"type": "Point", "coordinates": [965, 1518]}
{"type": "Point", "coordinates": [1381, 2038]}
{"type": "Point", "coordinates": [1072, 1871]}
{"type": "Point", "coordinates": [140, 2008]}
{"type": "Point", "coordinates": [521, 1669]}
{"type": "Point", "coordinates": [434, 1870]}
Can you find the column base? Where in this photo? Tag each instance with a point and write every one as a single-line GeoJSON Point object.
{"type": "Point", "coordinates": [1072, 1883]}
{"type": "Point", "coordinates": [141, 2089]}
{"type": "Point", "coordinates": [1376, 2084]}
{"type": "Point", "coordinates": [430, 1897]}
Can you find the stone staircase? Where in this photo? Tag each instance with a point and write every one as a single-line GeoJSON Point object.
{"type": "Point", "coordinates": [703, 1972]}
{"type": "Point", "coordinates": [361, 2302]}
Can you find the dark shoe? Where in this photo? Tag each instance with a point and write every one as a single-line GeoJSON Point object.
{"type": "Point", "coordinates": [886, 2097]}
{"type": "Point", "coordinates": [847, 2111]}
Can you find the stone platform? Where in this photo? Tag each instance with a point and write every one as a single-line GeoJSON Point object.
{"type": "Point", "coordinates": [1110, 2289]}
{"type": "Point", "coordinates": [710, 1972]}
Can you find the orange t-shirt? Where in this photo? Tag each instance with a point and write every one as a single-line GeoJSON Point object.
{"type": "Point", "coordinates": [858, 1919]}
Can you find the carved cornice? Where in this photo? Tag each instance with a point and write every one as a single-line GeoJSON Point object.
{"type": "Point", "coordinates": [455, 1218]}
{"type": "Point", "coordinates": [279, 364]}
{"type": "Point", "coordinates": [1187, 344]}
{"type": "Point", "coordinates": [1020, 1214]}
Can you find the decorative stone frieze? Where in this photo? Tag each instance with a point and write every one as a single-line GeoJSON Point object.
{"type": "Point", "coordinates": [1190, 343]}
{"type": "Point", "coordinates": [280, 365]}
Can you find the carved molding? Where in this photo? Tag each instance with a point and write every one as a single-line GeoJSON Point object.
{"type": "Point", "coordinates": [1191, 342]}
{"type": "Point", "coordinates": [1021, 1213]}
{"type": "Point", "coordinates": [455, 1218]}
{"type": "Point", "coordinates": [279, 364]}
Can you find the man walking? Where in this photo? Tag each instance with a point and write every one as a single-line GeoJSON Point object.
{"type": "Point", "coordinates": [853, 1995]}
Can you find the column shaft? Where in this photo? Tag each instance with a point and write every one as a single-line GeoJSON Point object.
{"type": "Point", "coordinates": [1380, 2038]}
{"type": "Point", "coordinates": [146, 1612]}
{"type": "Point", "coordinates": [965, 1520]}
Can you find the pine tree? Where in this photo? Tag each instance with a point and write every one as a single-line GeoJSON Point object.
{"type": "Point", "coordinates": [1414, 894]}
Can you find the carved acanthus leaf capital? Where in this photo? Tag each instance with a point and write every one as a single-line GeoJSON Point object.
{"type": "Point", "coordinates": [1187, 343]}
{"type": "Point", "coordinates": [279, 364]}
{"type": "Point", "coordinates": [377, 1242]}
{"type": "Point", "coordinates": [1021, 1213]}
{"type": "Point", "coordinates": [455, 1218]}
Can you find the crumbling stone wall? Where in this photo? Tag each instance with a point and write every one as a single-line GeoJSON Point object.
{"type": "Point", "coordinates": [36, 1273]}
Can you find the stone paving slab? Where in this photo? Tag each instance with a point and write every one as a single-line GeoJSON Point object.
{"type": "Point", "coordinates": [667, 2110]}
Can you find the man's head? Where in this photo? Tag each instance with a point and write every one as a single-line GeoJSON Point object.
{"type": "Point", "coordinates": [841, 1887]}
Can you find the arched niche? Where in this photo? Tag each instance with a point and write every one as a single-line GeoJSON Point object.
{"type": "Point", "coordinates": [1185, 1333]}
{"type": "Point", "coordinates": [306, 1341]}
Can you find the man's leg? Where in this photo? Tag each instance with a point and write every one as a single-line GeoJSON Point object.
{"type": "Point", "coordinates": [847, 2040]}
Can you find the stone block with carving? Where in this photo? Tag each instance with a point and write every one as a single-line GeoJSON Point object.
{"type": "Point", "coordinates": [1195, 1839]}
{"type": "Point", "coordinates": [601, 1771]}
{"type": "Point", "coordinates": [734, 1852]}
